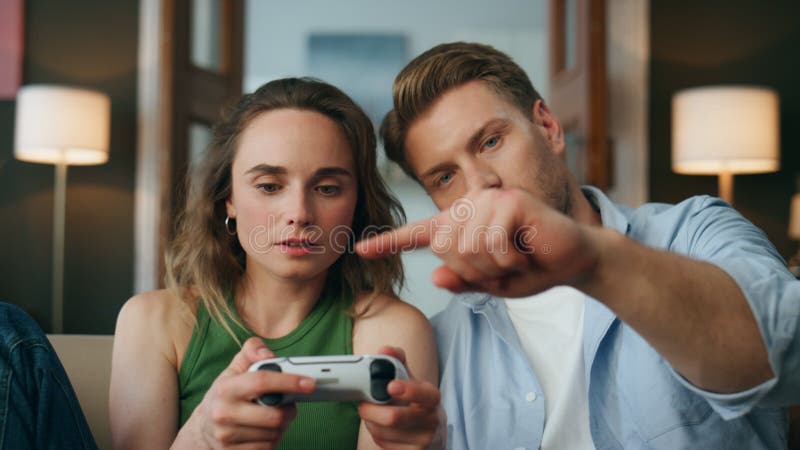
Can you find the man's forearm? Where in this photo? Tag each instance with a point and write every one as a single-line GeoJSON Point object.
{"type": "Point", "coordinates": [691, 312]}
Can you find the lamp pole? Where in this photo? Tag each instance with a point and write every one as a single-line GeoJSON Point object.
{"type": "Point", "coordinates": [725, 185]}
{"type": "Point", "coordinates": [59, 213]}
{"type": "Point", "coordinates": [62, 126]}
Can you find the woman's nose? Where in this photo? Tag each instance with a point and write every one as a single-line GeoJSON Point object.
{"type": "Point", "coordinates": [298, 211]}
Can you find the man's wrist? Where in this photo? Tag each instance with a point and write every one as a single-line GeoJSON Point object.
{"type": "Point", "coordinates": [606, 247]}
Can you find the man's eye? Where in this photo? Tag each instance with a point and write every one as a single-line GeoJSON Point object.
{"type": "Point", "coordinates": [444, 179]}
{"type": "Point", "coordinates": [491, 142]}
{"type": "Point", "coordinates": [269, 188]}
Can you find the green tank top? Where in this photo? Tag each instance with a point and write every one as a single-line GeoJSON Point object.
{"type": "Point", "coordinates": [327, 330]}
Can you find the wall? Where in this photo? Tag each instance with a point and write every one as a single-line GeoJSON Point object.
{"type": "Point", "coordinates": [727, 42]}
{"type": "Point", "coordinates": [276, 35]}
{"type": "Point", "coordinates": [91, 44]}
{"type": "Point", "coordinates": [276, 31]}
{"type": "Point", "coordinates": [627, 62]}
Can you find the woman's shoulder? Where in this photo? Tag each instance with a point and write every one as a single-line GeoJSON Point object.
{"type": "Point", "coordinates": [158, 319]}
{"type": "Point", "coordinates": [389, 321]}
{"type": "Point", "coordinates": [159, 306]}
{"type": "Point", "coordinates": [387, 316]}
{"type": "Point", "coordinates": [385, 307]}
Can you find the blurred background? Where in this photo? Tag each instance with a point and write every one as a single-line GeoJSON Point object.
{"type": "Point", "coordinates": [608, 68]}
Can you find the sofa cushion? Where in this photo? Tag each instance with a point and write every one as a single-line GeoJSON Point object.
{"type": "Point", "coordinates": [87, 360]}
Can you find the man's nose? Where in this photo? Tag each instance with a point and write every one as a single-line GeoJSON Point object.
{"type": "Point", "coordinates": [482, 176]}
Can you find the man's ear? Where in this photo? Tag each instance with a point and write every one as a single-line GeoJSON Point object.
{"type": "Point", "coordinates": [550, 126]}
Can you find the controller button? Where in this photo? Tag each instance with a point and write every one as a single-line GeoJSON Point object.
{"type": "Point", "coordinates": [379, 391]}
{"type": "Point", "coordinates": [382, 369]}
{"type": "Point", "coordinates": [271, 366]}
{"type": "Point", "coordinates": [271, 399]}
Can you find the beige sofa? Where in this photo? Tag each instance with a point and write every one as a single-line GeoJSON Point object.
{"type": "Point", "coordinates": [87, 360]}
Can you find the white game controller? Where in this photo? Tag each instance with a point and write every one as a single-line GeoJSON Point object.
{"type": "Point", "coordinates": [339, 378]}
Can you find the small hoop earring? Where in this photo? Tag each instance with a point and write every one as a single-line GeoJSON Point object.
{"type": "Point", "coordinates": [228, 221]}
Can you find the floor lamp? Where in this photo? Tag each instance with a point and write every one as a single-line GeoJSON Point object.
{"type": "Point", "coordinates": [62, 126]}
{"type": "Point", "coordinates": [794, 230]}
{"type": "Point", "coordinates": [725, 130]}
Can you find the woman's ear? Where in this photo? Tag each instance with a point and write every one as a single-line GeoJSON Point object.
{"type": "Point", "coordinates": [550, 127]}
{"type": "Point", "coordinates": [230, 210]}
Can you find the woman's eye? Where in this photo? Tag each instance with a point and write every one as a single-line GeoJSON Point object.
{"type": "Point", "coordinates": [269, 188]}
{"type": "Point", "coordinates": [328, 190]}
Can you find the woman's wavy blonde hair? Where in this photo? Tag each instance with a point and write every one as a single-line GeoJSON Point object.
{"type": "Point", "coordinates": [204, 262]}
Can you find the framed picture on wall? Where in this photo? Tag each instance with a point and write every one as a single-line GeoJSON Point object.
{"type": "Point", "coordinates": [363, 66]}
{"type": "Point", "coordinates": [11, 39]}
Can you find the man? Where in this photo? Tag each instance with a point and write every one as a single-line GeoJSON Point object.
{"type": "Point", "coordinates": [580, 323]}
{"type": "Point", "coordinates": [38, 406]}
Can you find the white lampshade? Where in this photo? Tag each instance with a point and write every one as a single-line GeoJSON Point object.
{"type": "Point", "coordinates": [794, 218]}
{"type": "Point", "coordinates": [57, 124]}
{"type": "Point", "coordinates": [730, 129]}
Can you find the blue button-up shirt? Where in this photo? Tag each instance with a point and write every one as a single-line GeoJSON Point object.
{"type": "Point", "coordinates": [636, 400]}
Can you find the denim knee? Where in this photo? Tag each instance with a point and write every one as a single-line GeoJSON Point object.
{"type": "Point", "coordinates": [17, 326]}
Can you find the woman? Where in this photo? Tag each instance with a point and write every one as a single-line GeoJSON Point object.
{"type": "Point", "coordinates": [262, 249]}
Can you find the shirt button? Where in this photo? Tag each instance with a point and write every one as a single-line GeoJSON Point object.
{"type": "Point", "coordinates": [531, 396]}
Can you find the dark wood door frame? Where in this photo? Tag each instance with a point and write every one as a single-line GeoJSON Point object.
{"type": "Point", "coordinates": [174, 93]}
{"type": "Point", "coordinates": [578, 93]}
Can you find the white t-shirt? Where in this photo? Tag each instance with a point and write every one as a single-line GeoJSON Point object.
{"type": "Point", "coordinates": [550, 329]}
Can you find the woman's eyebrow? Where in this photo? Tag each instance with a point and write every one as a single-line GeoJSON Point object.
{"type": "Point", "coordinates": [332, 171]}
{"type": "Point", "coordinates": [266, 169]}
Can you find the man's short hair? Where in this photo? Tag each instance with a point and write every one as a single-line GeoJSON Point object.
{"type": "Point", "coordinates": [440, 69]}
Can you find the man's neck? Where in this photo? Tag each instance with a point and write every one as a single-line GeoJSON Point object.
{"type": "Point", "coordinates": [582, 209]}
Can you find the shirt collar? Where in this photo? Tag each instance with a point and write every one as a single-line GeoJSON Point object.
{"type": "Point", "coordinates": [474, 300]}
{"type": "Point", "coordinates": [610, 215]}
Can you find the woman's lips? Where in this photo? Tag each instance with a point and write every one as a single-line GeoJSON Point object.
{"type": "Point", "coordinates": [298, 247]}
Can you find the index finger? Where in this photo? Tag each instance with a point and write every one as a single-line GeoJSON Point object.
{"type": "Point", "coordinates": [395, 352]}
{"type": "Point", "coordinates": [252, 351]}
{"type": "Point", "coordinates": [415, 391]}
{"type": "Point", "coordinates": [408, 237]}
{"type": "Point", "coordinates": [255, 384]}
